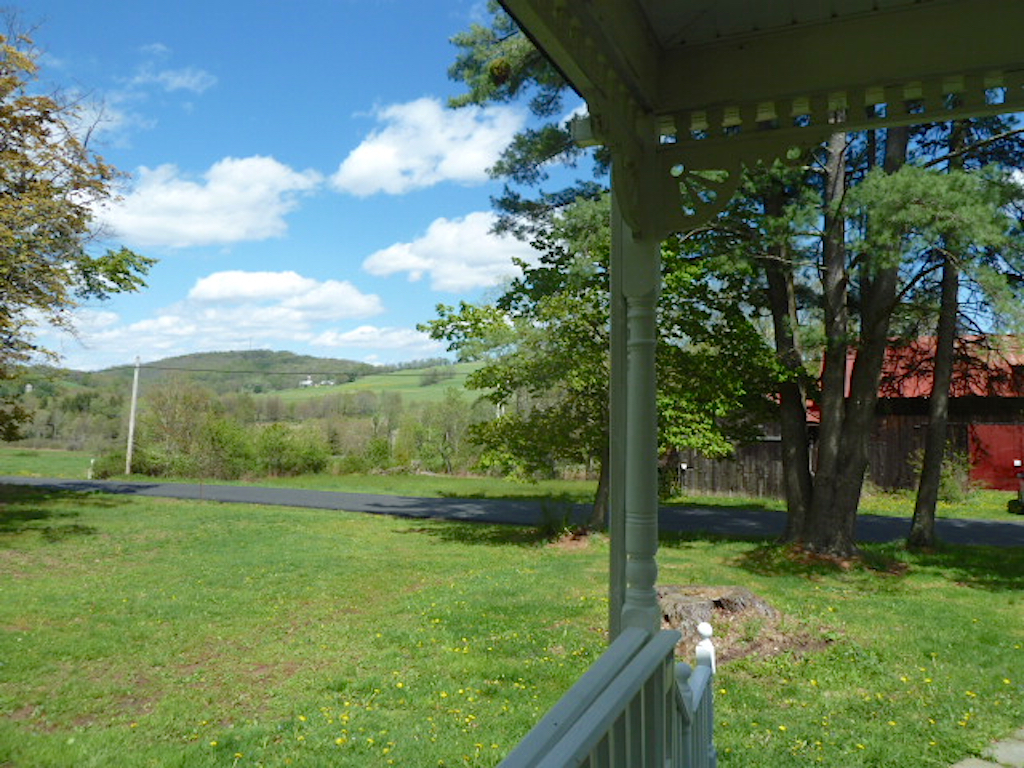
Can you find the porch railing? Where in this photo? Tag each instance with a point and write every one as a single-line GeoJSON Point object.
{"type": "Point", "coordinates": [634, 708]}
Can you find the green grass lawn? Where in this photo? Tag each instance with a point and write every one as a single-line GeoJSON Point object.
{"type": "Point", "coordinates": [153, 632]}
{"type": "Point", "coordinates": [35, 462]}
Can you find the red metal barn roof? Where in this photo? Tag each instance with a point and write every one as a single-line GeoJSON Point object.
{"type": "Point", "coordinates": [984, 367]}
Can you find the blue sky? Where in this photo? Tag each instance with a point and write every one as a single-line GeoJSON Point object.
{"type": "Point", "coordinates": [293, 166]}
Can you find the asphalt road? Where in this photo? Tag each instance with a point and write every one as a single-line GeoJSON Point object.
{"type": "Point", "coordinates": [734, 522]}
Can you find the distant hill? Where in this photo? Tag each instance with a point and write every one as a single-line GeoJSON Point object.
{"type": "Point", "coordinates": [256, 371]}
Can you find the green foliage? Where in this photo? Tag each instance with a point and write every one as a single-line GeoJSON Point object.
{"type": "Point", "coordinates": [185, 433]}
{"type": "Point", "coordinates": [281, 450]}
{"type": "Point", "coordinates": [436, 375]}
{"type": "Point", "coordinates": [955, 486]}
{"type": "Point", "coordinates": [50, 186]}
{"type": "Point", "coordinates": [377, 454]}
{"type": "Point", "coordinates": [111, 464]}
{"type": "Point", "coordinates": [499, 64]}
{"type": "Point", "coordinates": [544, 345]}
{"type": "Point", "coordinates": [916, 212]}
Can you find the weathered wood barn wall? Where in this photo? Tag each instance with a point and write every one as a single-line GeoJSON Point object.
{"type": "Point", "coordinates": [990, 433]}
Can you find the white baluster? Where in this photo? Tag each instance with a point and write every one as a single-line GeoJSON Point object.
{"type": "Point", "coordinates": [705, 648]}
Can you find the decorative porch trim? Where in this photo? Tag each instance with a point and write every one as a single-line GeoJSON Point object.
{"type": "Point", "coordinates": [684, 118]}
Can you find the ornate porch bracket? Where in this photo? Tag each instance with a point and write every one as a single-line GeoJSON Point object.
{"type": "Point", "coordinates": [693, 160]}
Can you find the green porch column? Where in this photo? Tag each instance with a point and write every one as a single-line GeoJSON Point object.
{"type": "Point", "coordinates": [635, 287]}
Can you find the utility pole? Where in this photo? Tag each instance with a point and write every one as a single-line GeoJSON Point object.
{"type": "Point", "coordinates": [131, 419]}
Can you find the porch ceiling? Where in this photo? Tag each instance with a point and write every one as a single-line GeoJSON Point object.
{"type": "Point", "coordinates": [713, 83]}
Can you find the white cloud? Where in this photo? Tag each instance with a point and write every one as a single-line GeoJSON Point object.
{"type": "Point", "coordinates": [157, 50]}
{"type": "Point", "coordinates": [458, 254]}
{"type": "Point", "coordinates": [237, 199]}
{"type": "Point", "coordinates": [225, 310]}
{"type": "Point", "coordinates": [237, 285]}
{"type": "Point", "coordinates": [190, 79]}
{"type": "Point", "coordinates": [152, 72]}
{"type": "Point", "coordinates": [422, 144]}
{"type": "Point", "coordinates": [413, 342]}
{"type": "Point", "coordinates": [299, 300]}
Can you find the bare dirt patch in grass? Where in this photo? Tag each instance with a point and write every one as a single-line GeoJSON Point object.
{"type": "Point", "coordinates": [572, 540]}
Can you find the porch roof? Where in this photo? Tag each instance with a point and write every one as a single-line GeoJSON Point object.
{"type": "Point", "coordinates": [709, 84]}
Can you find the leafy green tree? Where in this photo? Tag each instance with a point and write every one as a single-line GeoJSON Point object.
{"type": "Point", "coordinates": [838, 265]}
{"type": "Point", "coordinates": [444, 443]}
{"type": "Point", "coordinates": [544, 344]}
{"type": "Point", "coordinates": [50, 185]}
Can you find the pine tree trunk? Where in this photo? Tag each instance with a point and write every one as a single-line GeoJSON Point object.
{"type": "Point", "coordinates": [781, 295]}
{"type": "Point", "coordinates": [847, 422]}
{"type": "Point", "coordinates": [816, 533]}
{"type": "Point", "coordinates": [922, 526]}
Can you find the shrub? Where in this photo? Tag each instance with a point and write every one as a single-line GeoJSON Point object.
{"type": "Point", "coordinates": [377, 453]}
{"type": "Point", "coordinates": [226, 450]}
{"type": "Point", "coordinates": [111, 464]}
{"type": "Point", "coordinates": [281, 450]}
{"type": "Point", "coordinates": [955, 483]}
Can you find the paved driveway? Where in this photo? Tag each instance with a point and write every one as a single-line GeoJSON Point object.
{"type": "Point", "coordinates": [735, 522]}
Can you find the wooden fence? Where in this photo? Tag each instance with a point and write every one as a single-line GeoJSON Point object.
{"type": "Point", "coordinates": [756, 469]}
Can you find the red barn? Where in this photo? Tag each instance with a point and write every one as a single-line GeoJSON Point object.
{"type": "Point", "coordinates": [986, 423]}
{"type": "Point", "coordinates": [986, 411]}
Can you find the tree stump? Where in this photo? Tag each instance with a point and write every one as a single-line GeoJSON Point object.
{"type": "Point", "coordinates": [684, 607]}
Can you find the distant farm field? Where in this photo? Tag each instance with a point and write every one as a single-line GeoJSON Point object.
{"type": "Point", "coordinates": [413, 386]}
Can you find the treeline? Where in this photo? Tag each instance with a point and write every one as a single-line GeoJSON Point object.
{"type": "Point", "coordinates": [187, 430]}
{"type": "Point", "coordinates": [65, 414]}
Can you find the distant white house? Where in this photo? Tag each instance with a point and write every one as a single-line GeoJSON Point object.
{"type": "Point", "coordinates": [308, 382]}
